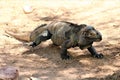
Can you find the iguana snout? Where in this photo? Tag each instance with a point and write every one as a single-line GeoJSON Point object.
{"type": "Point", "coordinates": [99, 37]}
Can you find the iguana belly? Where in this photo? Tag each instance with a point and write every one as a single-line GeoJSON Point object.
{"type": "Point", "coordinates": [58, 36]}
{"type": "Point", "coordinates": [57, 40]}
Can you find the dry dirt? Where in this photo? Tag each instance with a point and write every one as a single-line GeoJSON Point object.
{"type": "Point", "coordinates": [44, 61]}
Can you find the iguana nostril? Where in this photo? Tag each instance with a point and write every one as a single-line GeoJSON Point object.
{"type": "Point", "coordinates": [100, 37]}
{"type": "Point", "coordinates": [97, 33]}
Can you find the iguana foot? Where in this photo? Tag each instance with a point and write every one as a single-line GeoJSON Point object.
{"type": "Point", "coordinates": [65, 57]}
{"type": "Point", "coordinates": [33, 44]}
{"type": "Point", "coordinates": [99, 56]}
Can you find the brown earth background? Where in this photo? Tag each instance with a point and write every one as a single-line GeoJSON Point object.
{"type": "Point", "coordinates": [44, 61]}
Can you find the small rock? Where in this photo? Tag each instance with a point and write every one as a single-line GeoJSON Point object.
{"type": "Point", "coordinates": [24, 78]}
{"type": "Point", "coordinates": [27, 9]}
{"type": "Point", "coordinates": [9, 73]}
{"type": "Point", "coordinates": [34, 78]}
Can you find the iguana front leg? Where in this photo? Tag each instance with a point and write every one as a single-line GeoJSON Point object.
{"type": "Point", "coordinates": [94, 52]}
{"type": "Point", "coordinates": [64, 47]}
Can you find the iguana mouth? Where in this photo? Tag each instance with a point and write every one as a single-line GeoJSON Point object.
{"type": "Point", "coordinates": [97, 40]}
{"type": "Point", "coordinates": [94, 39]}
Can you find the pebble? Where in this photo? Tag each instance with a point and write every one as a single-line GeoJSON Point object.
{"type": "Point", "coordinates": [28, 9]}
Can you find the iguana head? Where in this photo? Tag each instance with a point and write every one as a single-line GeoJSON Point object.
{"type": "Point", "coordinates": [91, 34]}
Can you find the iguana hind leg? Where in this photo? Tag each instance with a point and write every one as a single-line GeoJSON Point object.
{"type": "Point", "coordinates": [45, 35]}
{"type": "Point", "coordinates": [94, 52]}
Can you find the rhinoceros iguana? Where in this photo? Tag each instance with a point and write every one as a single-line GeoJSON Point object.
{"type": "Point", "coordinates": [67, 35]}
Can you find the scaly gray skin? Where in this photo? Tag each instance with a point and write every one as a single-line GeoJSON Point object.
{"type": "Point", "coordinates": [67, 35]}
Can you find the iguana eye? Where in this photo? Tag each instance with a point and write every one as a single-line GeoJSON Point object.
{"type": "Point", "coordinates": [92, 34]}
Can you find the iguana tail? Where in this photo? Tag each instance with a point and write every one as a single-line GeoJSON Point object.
{"type": "Point", "coordinates": [27, 36]}
{"type": "Point", "coordinates": [23, 36]}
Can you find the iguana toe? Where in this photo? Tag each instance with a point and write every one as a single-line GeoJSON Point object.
{"type": "Point", "coordinates": [33, 44]}
{"type": "Point", "coordinates": [99, 56]}
{"type": "Point", "coordinates": [65, 57]}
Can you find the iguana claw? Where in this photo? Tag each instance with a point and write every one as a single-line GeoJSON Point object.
{"type": "Point", "coordinates": [65, 57]}
{"type": "Point", "coordinates": [33, 44]}
{"type": "Point", "coordinates": [99, 56]}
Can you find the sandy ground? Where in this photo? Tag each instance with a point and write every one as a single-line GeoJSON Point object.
{"type": "Point", "coordinates": [44, 61]}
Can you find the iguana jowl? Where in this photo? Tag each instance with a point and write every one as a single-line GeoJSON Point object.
{"type": "Point", "coordinates": [67, 35]}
